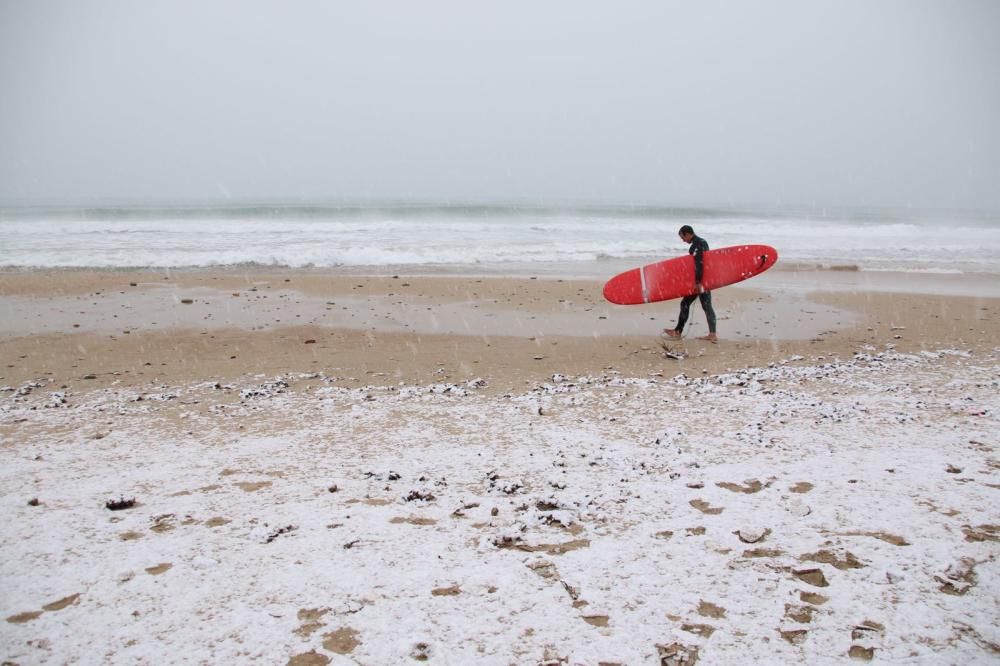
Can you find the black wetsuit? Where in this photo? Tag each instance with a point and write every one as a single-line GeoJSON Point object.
{"type": "Point", "coordinates": [698, 246]}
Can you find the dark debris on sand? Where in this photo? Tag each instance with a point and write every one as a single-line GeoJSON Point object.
{"type": "Point", "coordinates": [120, 503]}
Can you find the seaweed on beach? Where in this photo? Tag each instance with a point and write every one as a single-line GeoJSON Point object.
{"type": "Point", "coordinates": [278, 532]}
{"type": "Point", "coordinates": [120, 503]}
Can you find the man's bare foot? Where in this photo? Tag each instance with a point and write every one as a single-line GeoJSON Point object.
{"type": "Point", "coordinates": [671, 333]}
{"type": "Point", "coordinates": [709, 338]}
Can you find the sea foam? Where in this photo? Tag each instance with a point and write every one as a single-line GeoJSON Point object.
{"type": "Point", "coordinates": [530, 239]}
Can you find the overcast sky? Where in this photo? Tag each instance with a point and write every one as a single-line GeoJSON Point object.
{"type": "Point", "coordinates": [888, 103]}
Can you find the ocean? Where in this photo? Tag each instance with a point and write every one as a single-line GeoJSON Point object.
{"type": "Point", "coordinates": [488, 239]}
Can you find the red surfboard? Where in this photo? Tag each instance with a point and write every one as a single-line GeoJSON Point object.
{"type": "Point", "coordinates": [674, 278]}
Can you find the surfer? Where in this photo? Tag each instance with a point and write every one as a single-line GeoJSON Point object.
{"type": "Point", "coordinates": [697, 247]}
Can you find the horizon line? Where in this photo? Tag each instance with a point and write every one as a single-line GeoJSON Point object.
{"type": "Point", "coordinates": [361, 204]}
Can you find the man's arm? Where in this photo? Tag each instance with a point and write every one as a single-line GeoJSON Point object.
{"type": "Point", "coordinates": [699, 268]}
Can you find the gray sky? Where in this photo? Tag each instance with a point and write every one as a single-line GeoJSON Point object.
{"type": "Point", "coordinates": [889, 103]}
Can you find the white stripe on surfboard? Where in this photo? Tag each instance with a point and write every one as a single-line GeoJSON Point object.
{"type": "Point", "coordinates": [645, 290]}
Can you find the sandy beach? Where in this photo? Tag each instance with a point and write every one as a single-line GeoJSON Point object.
{"type": "Point", "coordinates": [128, 329]}
{"type": "Point", "coordinates": [337, 468]}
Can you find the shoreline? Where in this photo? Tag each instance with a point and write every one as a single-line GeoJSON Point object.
{"type": "Point", "coordinates": [803, 276]}
{"type": "Point", "coordinates": [592, 269]}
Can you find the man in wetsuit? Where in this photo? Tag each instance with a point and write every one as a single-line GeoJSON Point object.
{"type": "Point", "coordinates": [698, 247]}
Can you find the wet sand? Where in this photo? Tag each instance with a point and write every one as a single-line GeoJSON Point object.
{"type": "Point", "coordinates": [95, 329]}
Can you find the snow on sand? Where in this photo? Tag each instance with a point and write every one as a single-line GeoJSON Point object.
{"type": "Point", "coordinates": [814, 510]}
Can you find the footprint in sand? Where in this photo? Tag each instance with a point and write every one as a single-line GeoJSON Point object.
{"type": "Point", "coordinates": [310, 617]}
{"type": "Point", "coordinates": [844, 562]}
{"type": "Point", "coordinates": [958, 580]}
{"type": "Point", "coordinates": [894, 539]}
{"type": "Point", "coordinates": [794, 636]}
{"type": "Point", "coordinates": [311, 658]}
{"type": "Point", "coordinates": [413, 520]}
{"type": "Point", "coordinates": [703, 630]}
{"type": "Point", "coordinates": [544, 569]}
{"type": "Point", "coordinates": [705, 507]}
{"type": "Point", "coordinates": [548, 548]}
{"type": "Point", "coordinates": [763, 552]}
{"type": "Point", "coordinates": [203, 489]}
{"type": "Point", "coordinates": [800, 614]}
{"type": "Point", "coordinates": [251, 486]}
{"type": "Point", "coordinates": [813, 577]}
{"type": "Point", "coordinates": [676, 654]}
{"type": "Point", "coordinates": [164, 523]}
{"type": "Point", "coordinates": [750, 486]}
{"type": "Point", "coordinates": [813, 598]}
{"type": "Point", "coordinates": [341, 641]}
{"type": "Point", "coordinates": [865, 634]}
{"type": "Point", "coordinates": [861, 653]}
{"type": "Point", "coordinates": [981, 533]}
{"type": "Point", "coordinates": [867, 629]}
{"type": "Point", "coordinates": [708, 609]}
{"type": "Point", "coordinates": [27, 616]}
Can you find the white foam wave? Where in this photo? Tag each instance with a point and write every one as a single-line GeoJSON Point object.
{"type": "Point", "coordinates": [370, 239]}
